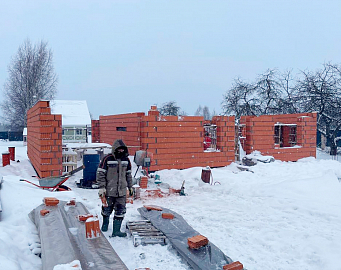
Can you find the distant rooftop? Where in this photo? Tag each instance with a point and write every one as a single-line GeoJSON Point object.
{"type": "Point", "coordinates": [74, 112]}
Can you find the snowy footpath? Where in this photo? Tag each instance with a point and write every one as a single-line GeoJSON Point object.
{"type": "Point", "coordinates": [283, 215]}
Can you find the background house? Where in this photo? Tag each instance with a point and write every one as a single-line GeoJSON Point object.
{"type": "Point", "coordinates": [76, 120]}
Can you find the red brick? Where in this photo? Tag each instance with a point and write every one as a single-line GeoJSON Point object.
{"type": "Point", "coordinates": [152, 207]}
{"type": "Point", "coordinates": [233, 266]}
{"type": "Point", "coordinates": [44, 212]}
{"type": "Point", "coordinates": [92, 228]}
{"type": "Point", "coordinates": [167, 216]}
{"type": "Point", "coordinates": [197, 241]}
{"type": "Point", "coordinates": [83, 218]}
{"type": "Point", "coordinates": [51, 201]}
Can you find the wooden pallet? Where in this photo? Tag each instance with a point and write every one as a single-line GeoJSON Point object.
{"type": "Point", "coordinates": [144, 233]}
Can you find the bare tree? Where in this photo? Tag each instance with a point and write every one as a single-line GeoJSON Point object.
{"type": "Point", "coordinates": [203, 111]}
{"type": "Point", "coordinates": [206, 113]}
{"type": "Point", "coordinates": [289, 102]}
{"type": "Point", "coordinates": [320, 91]}
{"type": "Point", "coordinates": [275, 93]}
{"type": "Point", "coordinates": [31, 78]}
{"type": "Point", "coordinates": [169, 108]}
{"type": "Point", "coordinates": [198, 112]}
{"type": "Point", "coordinates": [241, 99]}
{"type": "Point", "coordinates": [269, 92]}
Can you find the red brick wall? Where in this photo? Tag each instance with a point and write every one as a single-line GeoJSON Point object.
{"type": "Point", "coordinates": [131, 137]}
{"type": "Point", "coordinates": [176, 142]}
{"type": "Point", "coordinates": [44, 140]}
{"type": "Point", "coordinates": [95, 131]}
{"type": "Point", "coordinates": [260, 135]}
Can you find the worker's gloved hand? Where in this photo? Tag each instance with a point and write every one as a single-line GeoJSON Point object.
{"type": "Point", "coordinates": [131, 191]}
{"type": "Point", "coordinates": [101, 192]}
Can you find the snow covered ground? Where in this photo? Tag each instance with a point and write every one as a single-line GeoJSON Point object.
{"type": "Point", "coordinates": [284, 215]}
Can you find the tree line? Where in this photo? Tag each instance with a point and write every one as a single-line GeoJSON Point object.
{"type": "Point", "coordinates": [284, 93]}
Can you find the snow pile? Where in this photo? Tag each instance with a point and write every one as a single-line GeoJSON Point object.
{"type": "Point", "coordinates": [285, 215]}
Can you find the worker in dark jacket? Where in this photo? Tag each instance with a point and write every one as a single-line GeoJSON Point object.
{"type": "Point", "coordinates": [114, 177]}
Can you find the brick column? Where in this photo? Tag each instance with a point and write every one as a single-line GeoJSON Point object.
{"type": "Point", "coordinates": [44, 140]}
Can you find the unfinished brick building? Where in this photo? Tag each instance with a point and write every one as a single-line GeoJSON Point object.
{"type": "Point", "coordinates": [176, 142]}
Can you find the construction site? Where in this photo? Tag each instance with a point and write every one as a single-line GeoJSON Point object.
{"type": "Point", "coordinates": [157, 145]}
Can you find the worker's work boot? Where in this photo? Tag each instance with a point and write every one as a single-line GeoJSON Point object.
{"type": "Point", "coordinates": [117, 227]}
{"type": "Point", "coordinates": [105, 223]}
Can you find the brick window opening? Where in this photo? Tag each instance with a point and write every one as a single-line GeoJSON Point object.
{"type": "Point", "coordinates": [121, 128]}
{"type": "Point", "coordinates": [210, 138]}
{"type": "Point", "coordinates": [285, 135]}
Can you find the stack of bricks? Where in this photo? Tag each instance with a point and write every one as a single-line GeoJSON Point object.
{"type": "Point", "coordinates": [95, 131]}
{"type": "Point", "coordinates": [144, 182]}
{"type": "Point", "coordinates": [177, 141]}
{"type": "Point", "coordinates": [123, 126]}
{"type": "Point", "coordinates": [260, 133]}
{"type": "Point", "coordinates": [44, 140]}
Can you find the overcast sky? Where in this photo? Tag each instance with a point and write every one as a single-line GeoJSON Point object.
{"type": "Point", "coordinates": [124, 56]}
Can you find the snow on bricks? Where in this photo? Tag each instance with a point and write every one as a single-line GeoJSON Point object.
{"type": "Point", "coordinates": [92, 228]}
{"type": "Point", "coordinates": [233, 266]}
{"type": "Point", "coordinates": [50, 201]}
{"type": "Point", "coordinates": [197, 241]}
{"type": "Point", "coordinates": [152, 207]}
{"type": "Point", "coordinates": [83, 218]}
